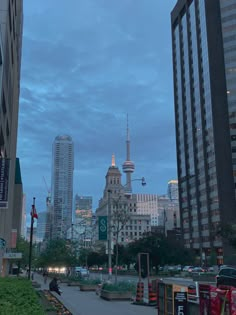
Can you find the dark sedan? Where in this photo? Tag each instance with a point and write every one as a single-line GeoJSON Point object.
{"type": "Point", "coordinates": [226, 276]}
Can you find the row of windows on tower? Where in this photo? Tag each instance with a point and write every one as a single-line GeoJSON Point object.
{"type": "Point", "coordinates": [115, 181]}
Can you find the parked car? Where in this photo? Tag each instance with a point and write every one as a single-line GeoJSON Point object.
{"type": "Point", "coordinates": [226, 276]}
{"type": "Point", "coordinates": [188, 268]}
{"type": "Point", "coordinates": [83, 273]}
{"type": "Point", "coordinates": [77, 269]}
{"type": "Point", "coordinates": [198, 269]}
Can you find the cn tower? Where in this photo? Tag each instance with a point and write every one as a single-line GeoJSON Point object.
{"type": "Point", "coordinates": [128, 166]}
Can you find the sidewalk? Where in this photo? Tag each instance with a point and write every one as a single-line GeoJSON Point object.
{"type": "Point", "coordinates": [88, 303]}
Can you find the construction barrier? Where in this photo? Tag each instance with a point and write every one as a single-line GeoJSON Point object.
{"type": "Point", "coordinates": [152, 295]}
{"type": "Point", "coordinates": [191, 290]}
{"type": "Point", "coordinates": [193, 293]}
{"type": "Point", "coordinates": [172, 299]}
{"type": "Point", "coordinates": [215, 301]}
{"type": "Point", "coordinates": [139, 292]}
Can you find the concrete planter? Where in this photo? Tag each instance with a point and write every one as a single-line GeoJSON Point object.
{"type": "Point", "coordinates": [88, 287]}
{"type": "Point", "coordinates": [115, 295]}
{"type": "Point", "coordinates": [64, 280]}
{"type": "Point", "coordinates": [73, 284]}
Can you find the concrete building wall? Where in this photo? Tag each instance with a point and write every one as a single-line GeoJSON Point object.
{"type": "Point", "coordinates": [11, 20]}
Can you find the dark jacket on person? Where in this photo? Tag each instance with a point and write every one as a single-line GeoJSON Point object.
{"type": "Point", "coordinates": [53, 286]}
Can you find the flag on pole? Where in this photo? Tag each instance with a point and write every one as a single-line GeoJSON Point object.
{"type": "Point", "coordinates": [34, 212]}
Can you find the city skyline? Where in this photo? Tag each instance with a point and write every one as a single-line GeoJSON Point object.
{"type": "Point", "coordinates": [84, 68]}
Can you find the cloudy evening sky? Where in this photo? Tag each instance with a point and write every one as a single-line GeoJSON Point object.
{"type": "Point", "coordinates": [85, 65]}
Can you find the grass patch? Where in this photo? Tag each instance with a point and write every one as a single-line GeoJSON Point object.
{"type": "Point", "coordinates": [17, 297]}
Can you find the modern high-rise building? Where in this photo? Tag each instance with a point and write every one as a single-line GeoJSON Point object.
{"type": "Point", "coordinates": [168, 213]}
{"type": "Point", "coordinates": [147, 204]}
{"type": "Point", "coordinates": [173, 189]}
{"type": "Point", "coordinates": [62, 185]}
{"type": "Point", "coordinates": [34, 240]}
{"type": "Point", "coordinates": [11, 24]}
{"type": "Point", "coordinates": [204, 66]}
{"type": "Point", "coordinates": [42, 226]}
{"type": "Point", "coordinates": [162, 210]}
{"type": "Point", "coordinates": [83, 209]}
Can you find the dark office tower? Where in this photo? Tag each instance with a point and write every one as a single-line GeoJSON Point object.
{"type": "Point", "coordinates": [204, 66]}
{"type": "Point", "coordinates": [11, 195]}
{"type": "Point", "coordinates": [62, 185]}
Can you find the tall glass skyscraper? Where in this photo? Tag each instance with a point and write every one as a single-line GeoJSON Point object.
{"type": "Point", "coordinates": [83, 209]}
{"type": "Point", "coordinates": [204, 66]}
{"type": "Point", "coordinates": [173, 190]}
{"type": "Point", "coordinates": [62, 185]}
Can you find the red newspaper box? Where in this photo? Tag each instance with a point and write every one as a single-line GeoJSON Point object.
{"type": "Point", "coordinates": [209, 300]}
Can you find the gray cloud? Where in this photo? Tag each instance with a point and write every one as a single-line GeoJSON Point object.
{"type": "Point", "coordinates": [85, 65]}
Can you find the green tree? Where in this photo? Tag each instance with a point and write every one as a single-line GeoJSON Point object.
{"type": "Point", "coordinates": [161, 250]}
{"type": "Point", "coordinates": [96, 258]}
{"type": "Point", "coordinates": [58, 253]}
{"type": "Point", "coordinates": [126, 258]}
{"type": "Point", "coordinates": [83, 256]}
{"type": "Point", "coordinates": [120, 218]}
{"type": "Point", "coordinates": [22, 246]}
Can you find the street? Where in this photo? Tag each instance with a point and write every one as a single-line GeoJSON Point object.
{"type": "Point", "coordinates": [88, 303]}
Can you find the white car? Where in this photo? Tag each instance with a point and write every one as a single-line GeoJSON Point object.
{"type": "Point", "coordinates": [83, 273]}
{"type": "Point", "coordinates": [77, 269]}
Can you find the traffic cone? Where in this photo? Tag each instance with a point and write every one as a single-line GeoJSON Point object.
{"type": "Point", "coordinates": [152, 296]}
{"type": "Point", "coordinates": [139, 292]}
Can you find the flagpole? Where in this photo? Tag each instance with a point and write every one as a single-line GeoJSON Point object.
{"type": "Point", "coordinates": [31, 236]}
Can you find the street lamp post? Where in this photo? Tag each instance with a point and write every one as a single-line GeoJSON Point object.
{"type": "Point", "coordinates": [109, 236]}
{"type": "Point", "coordinates": [31, 236]}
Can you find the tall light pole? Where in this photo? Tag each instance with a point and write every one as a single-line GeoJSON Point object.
{"type": "Point", "coordinates": [33, 213]}
{"type": "Point", "coordinates": [109, 236]}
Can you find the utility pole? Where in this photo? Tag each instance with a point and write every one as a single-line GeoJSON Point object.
{"type": "Point", "coordinates": [31, 236]}
{"type": "Point", "coordinates": [109, 236]}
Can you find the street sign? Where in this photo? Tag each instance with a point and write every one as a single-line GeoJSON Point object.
{"type": "Point", "coordinates": [2, 243]}
{"type": "Point", "coordinates": [12, 255]}
{"type": "Point", "coordinates": [102, 228]}
{"type": "Point", "coordinates": [4, 178]}
{"type": "Point", "coordinates": [180, 303]}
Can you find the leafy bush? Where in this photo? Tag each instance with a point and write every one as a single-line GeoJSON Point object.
{"type": "Point", "coordinates": [17, 297]}
{"type": "Point", "coordinates": [90, 281]}
{"type": "Point", "coordinates": [122, 286]}
{"type": "Point", "coordinates": [74, 278]}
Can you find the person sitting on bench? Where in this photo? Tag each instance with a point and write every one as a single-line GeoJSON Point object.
{"type": "Point", "coordinates": [53, 286]}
